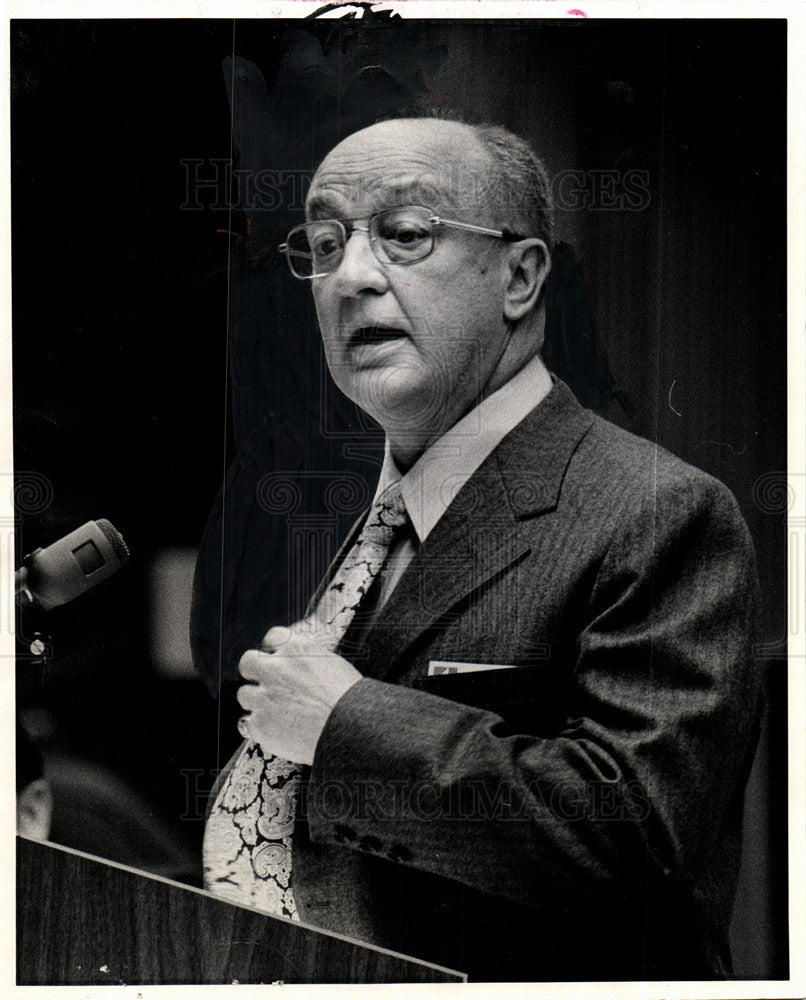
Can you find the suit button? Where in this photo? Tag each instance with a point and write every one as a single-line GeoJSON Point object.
{"type": "Point", "coordinates": [399, 853]}
{"type": "Point", "coordinates": [343, 834]}
{"type": "Point", "coordinates": [369, 843]}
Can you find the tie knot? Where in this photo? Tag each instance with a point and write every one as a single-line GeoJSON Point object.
{"type": "Point", "coordinates": [388, 512]}
{"type": "Point", "coordinates": [391, 506]}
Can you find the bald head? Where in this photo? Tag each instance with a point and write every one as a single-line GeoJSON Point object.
{"type": "Point", "coordinates": [445, 135]}
{"type": "Point", "coordinates": [405, 161]}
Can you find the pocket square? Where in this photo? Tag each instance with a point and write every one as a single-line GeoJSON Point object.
{"type": "Point", "coordinates": [436, 668]}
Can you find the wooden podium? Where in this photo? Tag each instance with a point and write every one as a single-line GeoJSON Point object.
{"type": "Point", "coordinates": [85, 921]}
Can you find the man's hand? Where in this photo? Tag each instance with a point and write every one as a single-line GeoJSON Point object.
{"type": "Point", "coordinates": [297, 682]}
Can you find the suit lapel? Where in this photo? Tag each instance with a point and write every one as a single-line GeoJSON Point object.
{"type": "Point", "coordinates": [480, 534]}
{"type": "Point", "coordinates": [452, 563]}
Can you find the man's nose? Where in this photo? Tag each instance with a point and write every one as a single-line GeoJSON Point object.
{"type": "Point", "coordinates": [359, 269]}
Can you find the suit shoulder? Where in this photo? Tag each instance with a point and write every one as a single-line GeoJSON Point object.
{"type": "Point", "coordinates": [634, 467]}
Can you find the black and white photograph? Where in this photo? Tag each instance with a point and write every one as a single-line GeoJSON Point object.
{"type": "Point", "coordinates": [402, 522]}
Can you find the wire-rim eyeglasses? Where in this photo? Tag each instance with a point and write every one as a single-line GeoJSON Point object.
{"type": "Point", "coordinates": [402, 235]}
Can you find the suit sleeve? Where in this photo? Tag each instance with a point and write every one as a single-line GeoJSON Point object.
{"type": "Point", "coordinates": [660, 706]}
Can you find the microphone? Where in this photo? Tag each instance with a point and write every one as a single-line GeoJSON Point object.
{"type": "Point", "coordinates": [67, 568]}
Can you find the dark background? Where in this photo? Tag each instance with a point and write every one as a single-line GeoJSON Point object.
{"type": "Point", "coordinates": [131, 311]}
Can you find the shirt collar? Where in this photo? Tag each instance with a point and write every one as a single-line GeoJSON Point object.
{"type": "Point", "coordinates": [445, 466]}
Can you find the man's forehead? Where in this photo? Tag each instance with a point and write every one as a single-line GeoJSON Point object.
{"type": "Point", "coordinates": [397, 163]}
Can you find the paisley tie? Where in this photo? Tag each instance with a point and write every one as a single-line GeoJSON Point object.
{"type": "Point", "coordinates": [248, 838]}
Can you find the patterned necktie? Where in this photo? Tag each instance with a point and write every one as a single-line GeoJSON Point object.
{"type": "Point", "coordinates": [248, 837]}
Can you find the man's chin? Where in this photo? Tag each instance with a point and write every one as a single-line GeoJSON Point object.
{"type": "Point", "coordinates": [398, 403]}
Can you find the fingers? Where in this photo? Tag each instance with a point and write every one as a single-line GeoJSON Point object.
{"type": "Point", "coordinates": [252, 664]}
{"type": "Point", "coordinates": [248, 696]}
{"type": "Point", "coordinates": [307, 633]}
{"type": "Point", "coordinates": [255, 664]}
{"type": "Point", "coordinates": [281, 643]}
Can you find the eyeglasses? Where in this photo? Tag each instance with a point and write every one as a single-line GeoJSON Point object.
{"type": "Point", "coordinates": [396, 235]}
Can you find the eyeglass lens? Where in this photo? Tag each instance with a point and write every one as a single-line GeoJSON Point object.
{"type": "Point", "coordinates": [397, 236]}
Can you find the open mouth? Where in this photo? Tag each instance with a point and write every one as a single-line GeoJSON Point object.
{"type": "Point", "coordinates": [376, 334]}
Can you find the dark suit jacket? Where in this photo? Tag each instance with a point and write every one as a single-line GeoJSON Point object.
{"type": "Point", "coordinates": [577, 816]}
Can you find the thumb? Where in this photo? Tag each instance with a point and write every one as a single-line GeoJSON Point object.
{"type": "Point", "coordinates": [275, 637]}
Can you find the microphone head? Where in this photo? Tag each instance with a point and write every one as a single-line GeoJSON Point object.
{"type": "Point", "coordinates": [115, 539]}
{"type": "Point", "coordinates": [75, 563]}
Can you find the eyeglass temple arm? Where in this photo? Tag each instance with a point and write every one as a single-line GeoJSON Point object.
{"type": "Point", "coordinates": [505, 234]}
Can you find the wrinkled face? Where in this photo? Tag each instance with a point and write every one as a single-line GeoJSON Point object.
{"type": "Point", "coordinates": [413, 344]}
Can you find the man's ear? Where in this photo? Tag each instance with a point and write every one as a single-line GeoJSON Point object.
{"type": "Point", "coordinates": [529, 263]}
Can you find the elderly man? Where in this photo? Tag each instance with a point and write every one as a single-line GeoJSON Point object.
{"type": "Point", "coordinates": [512, 734]}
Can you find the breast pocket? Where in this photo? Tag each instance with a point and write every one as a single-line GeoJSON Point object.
{"type": "Point", "coordinates": [514, 693]}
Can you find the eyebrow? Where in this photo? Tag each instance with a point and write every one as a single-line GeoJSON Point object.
{"type": "Point", "coordinates": [322, 207]}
